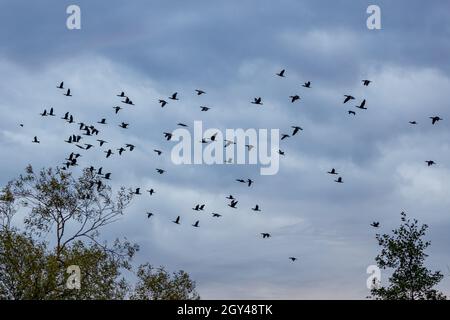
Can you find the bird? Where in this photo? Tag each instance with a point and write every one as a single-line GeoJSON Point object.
{"type": "Point", "coordinates": [293, 259]}
{"type": "Point", "coordinates": [103, 121]}
{"type": "Point", "coordinates": [362, 105]}
{"type": "Point", "coordinates": [366, 82]}
{"type": "Point", "coordinates": [281, 73]}
{"type": "Point", "coordinates": [44, 113]}
{"type": "Point", "coordinates": [256, 208]}
{"type": "Point", "coordinates": [67, 94]}
{"type": "Point", "coordinates": [249, 146]}
{"type": "Point", "coordinates": [121, 150]}
{"type": "Point", "coordinates": [61, 85]}
{"type": "Point", "coordinates": [294, 98]}
{"type": "Point", "coordinates": [348, 98]}
{"type": "Point", "coordinates": [375, 224]}
{"type": "Point", "coordinates": [352, 112]}
{"type": "Point", "coordinates": [196, 208]}
{"type": "Point", "coordinates": [430, 163]}
{"type": "Point", "coordinates": [130, 146]}
{"type": "Point", "coordinates": [124, 125]}
{"type": "Point", "coordinates": [240, 180]}
{"type": "Point", "coordinates": [257, 101]}
{"type": "Point", "coordinates": [117, 109]}
{"type": "Point", "coordinates": [332, 171]}
{"type": "Point", "coordinates": [249, 181]}
{"type": "Point", "coordinates": [107, 176]}
{"type": "Point", "coordinates": [230, 197]}
{"type": "Point", "coordinates": [204, 108]}
{"type": "Point", "coordinates": [66, 116]}
{"type": "Point", "coordinates": [151, 191]}
{"type": "Point", "coordinates": [35, 140]}
{"type": "Point", "coordinates": [412, 122]}
{"type": "Point", "coordinates": [216, 215]}
{"type": "Point", "coordinates": [108, 153]}
{"type": "Point", "coordinates": [122, 95]}
{"type": "Point", "coordinates": [284, 136]}
{"type": "Point", "coordinates": [174, 96]}
{"type": "Point", "coordinates": [339, 180]}
{"type": "Point", "coordinates": [127, 101]}
{"type": "Point", "coordinates": [102, 142]}
{"type": "Point", "coordinates": [307, 84]}
{"type": "Point", "coordinates": [199, 92]}
{"type": "Point", "coordinates": [149, 214]}
{"type": "Point", "coordinates": [435, 119]}
{"type": "Point", "coordinates": [163, 103]}
{"type": "Point", "coordinates": [296, 129]}
{"type": "Point", "coordinates": [228, 143]}
{"type": "Point", "coordinates": [160, 171]}
{"type": "Point", "coordinates": [182, 124]}
{"type": "Point", "coordinates": [138, 191]}
{"type": "Point", "coordinates": [51, 112]}
{"type": "Point", "coordinates": [280, 152]}
{"type": "Point", "coordinates": [157, 151]}
{"type": "Point", "coordinates": [168, 135]}
{"type": "Point", "coordinates": [196, 224]}
{"type": "Point", "coordinates": [233, 204]}
{"type": "Point", "coordinates": [88, 146]}
{"type": "Point", "coordinates": [177, 220]}
{"type": "Point", "coordinates": [265, 235]}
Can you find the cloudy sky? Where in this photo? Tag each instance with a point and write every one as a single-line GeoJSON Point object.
{"type": "Point", "coordinates": [232, 50]}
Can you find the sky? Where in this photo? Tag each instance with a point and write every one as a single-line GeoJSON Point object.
{"type": "Point", "coordinates": [232, 50]}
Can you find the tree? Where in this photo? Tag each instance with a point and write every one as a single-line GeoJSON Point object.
{"type": "Point", "coordinates": [72, 211]}
{"type": "Point", "coordinates": [157, 284]}
{"type": "Point", "coordinates": [404, 251]}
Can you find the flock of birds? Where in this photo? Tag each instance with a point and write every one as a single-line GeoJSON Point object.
{"type": "Point", "coordinates": [93, 131]}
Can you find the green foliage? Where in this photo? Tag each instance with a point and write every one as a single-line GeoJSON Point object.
{"type": "Point", "coordinates": [404, 251]}
{"type": "Point", "coordinates": [73, 211]}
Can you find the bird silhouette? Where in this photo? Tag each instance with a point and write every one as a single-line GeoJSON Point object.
{"type": "Point", "coordinates": [307, 84]}
{"type": "Point", "coordinates": [257, 101]}
{"type": "Point", "coordinates": [102, 142]}
{"type": "Point", "coordinates": [130, 146]}
{"type": "Point", "coordinates": [157, 151]}
{"type": "Point", "coordinates": [352, 112]}
{"type": "Point", "coordinates": [103, 121]}
{"type": "Point", "coordinates": [177, 220]}
{"type": "Point", "coordinates": [168, 135]}
{"type": "Point", "coordinates": [293, 259]}
{"type": "Point", "coordinates": [51, 112]}
{"type": "Point", "coordinates": [196, 224]}
{"type": "Point", "coordinates": [138, 191]}
{"type": "Point", "coordinates": [230, 197]}
{"type": "Point", "coordinates": [149, 214]}
{"type": "Point", "coordinates": [124, 125]}
{"type": "Point", "coordinates": [151, 191]}
{"type": "Point", "coordinates": [121, 150]}
{"type": "Point", "coordinates": [249, 182]}
{"type": "Point", "coordinates": [117, 109]}
{"type": "Point", "coordinates": [366, 82]}
{"type": "Point", "coordinates": [128, 101]}
{"type": "Point", "coordinates": [67, 94]}
{"type": "Point", "coordinates": [256, 208]}
{"type": "Point", "coordinates": [44, 113]}
{"type": "Point", "coordinates": [216, 215]}
{"type": "Point", "coordinates": [362, 105]}
{"type": "Point", "coordinates": [160, 171]}
{"type": "Point", "coordinates": [61, 85]}
{"type": "Point", "coordinates": [294, 98]}
{"type": "Point", "coordinates": [332, 171]}
{"type": "Point", "coordinates": [412, 122]}
{"type": "Point", "coordinates": [265, 235]}
{"type": "Point", "coordinates": [296, 129]}
{"type": "Point", "coordinates": [163, 103]}
{"type": "Point", "coordinates": [435, 119]}
{"type": "Point", "coordinates": [107, 176]}
{"type": "Point", "coordinates": [108, 153]}
{"type": "Point", "coordinates": [281, 73]}
{"type": "Point", "coordinates": [35, 140]}
{"type": "Point", "coordinates": [174, 96]}
{"type": "Point", "coordinates": [375, 224]}
{"type": "Point", "coordinates": [182, 124]}
{"type": "Point", "coordinates": [233, 204]}
{"type": "Point", "coordinates": [204, 109]}
{"type": "Point", "coordinates": [199, 92]}
{"type": "Point", "coordinates": [280, 152]}
{"type": "Point", "coordinates": [348, 98]}
{"type": "Point", "coordinates": [430, 163]}
{"type": "Point", "coordinates": [122, 95]}
{"type": "Point", "coordinates": [339, 180]}
{"type": "Point", "coordinates": [284, 136]}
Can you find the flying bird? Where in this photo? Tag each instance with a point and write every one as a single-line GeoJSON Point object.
{"type": "Point", "coordinates": [174, 96]}
{"type": "Point", "coordinates": [124, 125]}
{"type": "Point", "coordinates": [281, 73]}
{"type": "Point", "coordinates": [199, 92]}
{"type": "Point", "coordinates": [233, 204]}
{"type": "Point", "coordinates": [307, 84]}
{"type": "Point", "coordinates": [375, 224]}
{"type": "Point", "coordinates": [366, 82]}
{"type": "Point", "coordinates": [362, 105]}
{"type": "Point", "coordinates": [122, 95]}
{"type": "Point", "coordinates": [160, 171]}
{"type": "Point", "coordinates": [61, 85]}
{"type": "Point", "coordinates": [177, 220]}
{"type": "Point", "coordinates": [284, 136]}
{"type": "Point", "coordinates": [149, 214]}
{"type": "Point", "coordinates": [293, 259]}
{"type": "Point", "coordinates": [196, 224]}
{"type": "Point", "coordinates": [151, 191]}
{"type": "Point", "coordinates": [163, 103]}
{"type": "Point", "coordinates": [103, 121]}
{"type": "Point", "coordinates": [35, 140]}
{"type": "Point", "coordinates": [257, 101]}
{"type": "Point", "coordinates": [412, 122]}
{"type": "Point", "coordinates": [168, 135]}
{"type": "Point", "coordinates": [249, 182]}
{"type": "Point", "coordinates": [157, 151]}
{"type": "Point", "coordinates": [204, 108]}
{"type": "Point", "coordinates": [256, 208]}
{"type": "Point", "coordinates": [102, 142]}
{"type": "Point", "coordinates": [352, 112]}
{"type": "Point", "coordinates": [348, 98]}
{"type": "Point", "coordinates": [332, 171]}
{"type": "Point", "coordinates": [339, 180]}
{"type": "Point", "coordinates": [117, 109]}
{"type": "Point", "coordinates": [430, 163]}
{"type": "Point", "coordinates": [296, 129]}
{"type": "Point", "coordinates": [435, 119]}
{"type": "Point", "coordinates": [108, 153]}
{"type": "Point", "coordinates": [67, 94]}
{"type": "Point", "coordinates": [294, 98]}
{"type": "Point", "coordinates": [265, 235]}
{"type": "Point", "coordinates": [216, 215]}
{"type": "Point", "coordinates": [138, 191]}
